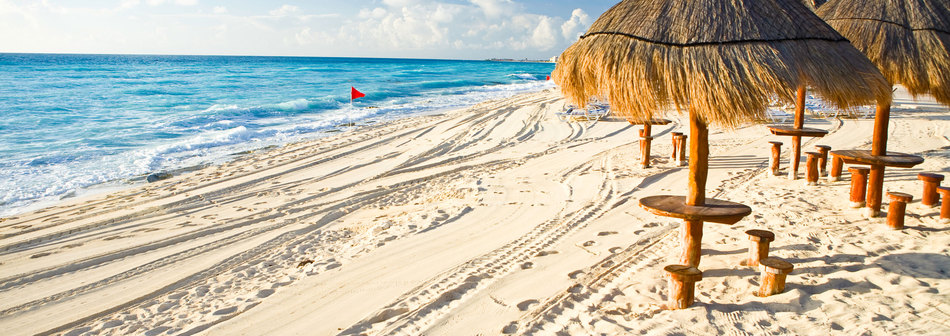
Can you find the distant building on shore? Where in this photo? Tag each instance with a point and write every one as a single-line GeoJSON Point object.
{"type": "Point", "coordinates": [554, 59]}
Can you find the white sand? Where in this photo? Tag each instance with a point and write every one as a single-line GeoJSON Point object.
{"type": "Point", "coordinates": [489, 220]}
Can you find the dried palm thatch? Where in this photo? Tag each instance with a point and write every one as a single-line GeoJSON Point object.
{"type": "Point", "coordinates": [722, 59]}
{"type": "Point", "coordinates": [908, 40]}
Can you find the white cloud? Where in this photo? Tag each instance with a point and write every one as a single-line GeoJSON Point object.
{"type": "Point", "coordinates": [177, 2]}
{"type": "Point", "coordinates": [495, 8]}
{"type": "Point", "coordinates": [576, 26]}
{"type": "Point", "coordinates": [220, 10]}
{"type": "Point", "coordinates": [285, 10]}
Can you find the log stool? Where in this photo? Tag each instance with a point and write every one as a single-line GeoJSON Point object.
{"type": "Point", "coordinates": [895, 211]}
{"type": "Point", "coordinates": [645, 150]}
{"type": "Point", "coordinates": [931, 182]}
{"type": "Point", "coordinates": [682, 285]}
{"type": "Point", "coordinates": [836, 164]}
{"type": "Point", "coordinates": [944, 204]}
{"type": "Point", "coordinates": [759, 248]}
{"type": "Point", "coordinates": [776, 156]}
{"type": "Point", "coordinates": [774, 271]}
{"type": "Point", "coordinates": [859, 186]}
{"type": "Point", "coordinates": [682, 150]}
{"type": "Point", "coordinates": [676, 145]}
{"type": "Point", "coordinates": [823, 160]}
{"type": "Point", "coordinates": [811, 170]}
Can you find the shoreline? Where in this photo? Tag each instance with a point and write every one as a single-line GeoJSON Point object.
{"type": "Point", "coordinates": [495, 218]}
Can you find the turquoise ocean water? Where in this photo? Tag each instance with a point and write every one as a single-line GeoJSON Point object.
{"type": "Point", "coordinates": [73, 122]}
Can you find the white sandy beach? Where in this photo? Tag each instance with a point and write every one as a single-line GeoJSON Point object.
{"type": "Point", "coordinates": [496, 219]}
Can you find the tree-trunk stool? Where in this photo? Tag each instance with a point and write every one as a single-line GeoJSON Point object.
{"type": "Point", "coordinates": [776, 157]}
{"type": "Point", "coordinates": [944, 204]}
{"type": "Point", "coordinates": [859, 186]}
{"type": "Point", "coordinates": [645, 150]}
{"type": "Point", "coordinates": [811, 170]}
{"type": "Point", "coordinates": [823, 160]}
{"type": "Point", "coordinates": [895, 210]}
{"type": "Point", "coordinates": [774, 271]}
{"type": "Point", "coordinates": [931, 182]}
{"type": "Point", "coordinates": [837, 164]}
{"type": "Point", "coordinates": [682, 285]}
{"type": "Point", "coordinates": [759, 247]}
{"type": "Point", "coordinates": [682, 151]}
{"type": "Point", "coordinates": [676, 144]}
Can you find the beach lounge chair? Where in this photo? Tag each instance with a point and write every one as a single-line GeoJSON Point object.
{"type": "Point", "coordinates": [571, 113]}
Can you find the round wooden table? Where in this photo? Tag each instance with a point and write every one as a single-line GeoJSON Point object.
{"type": "Point", "coordinates": [864, 157]}
{"type": "Point", "coordinates": [716, 211]}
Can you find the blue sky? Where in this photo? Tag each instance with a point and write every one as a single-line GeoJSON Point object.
{"type": "Point", "coordinates": [457, 29]}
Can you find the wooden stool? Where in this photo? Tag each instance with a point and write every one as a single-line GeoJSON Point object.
{"type": "Point", "coordinates": [759, 248]}
{"type": "Point", "coordinates": [774, 271]}
{"type": "Point", "coordinates": [859, 186]}
{"type": "Point", "coordinates": [682, 150]}
{"type": "Point", "coordinates": [776, 156]}
{"type": "Point", "coordinates": [811, 170]}
{"type": "Point", "coordinates": [645, 150]}
{"type": "Point", "coordinates": [836, 164]}
{"type": "Point", "coordinates": [895, 211]}
{"type": "Point", "coordinates": [931, 182]}
{"type": "Point", "coordinates": [676, 145]}
{"type": "Point", "coordinates": [823, 160]}
{"type": "Point", "coordinates": [944, 204]}
{"type": "Point", "coordinates": [682, 285]}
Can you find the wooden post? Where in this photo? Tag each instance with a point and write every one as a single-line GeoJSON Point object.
{"type": "Point", "coordinates": [931, 181]}
{"type": "Point", "coordinates": [944, 204]}
{"type": "Point", "coordinates": [759, 246]}
{"type": "Point", "coordinates": [776, 156]}
{"type": "Point", "coordinates": [676, 143]}
{"type": "Point", "coordinates": [895, 210]}
{"type": "Point", "coordinates": [859, 180]}
{"type": "Point", "coordinates": [683, 280]}
{"type": "Point", "coordinates": [875, 190]}
{"type": "Point", "coordinates": [682, 150]}
{"type": "Point", "coordinates": [823, 160]}
{"type": "Point", "coordinates": [836, 166]}
{"type": "Point", "coordinates": [696, 196]}
{"type": "Point", "coordinates": [811, 170]}
{"type": "Point", "coordinates": [645, 151]}
{"type": "Point", "coordinates": [774, 271]}
{"type": "Point", "coordinates": [878, 148]}
{"type": "Point", "coordinates": [796, 151]}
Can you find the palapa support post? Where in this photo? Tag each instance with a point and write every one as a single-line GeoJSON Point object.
{"type": "Point", "coordinates": [859, 180]}
{"type": "Point", "coordinates": [645, 151]}
{"type": "Point", "coordinates": [823, 159]}
{"type": "Point", "coordinates": [682, 150]}
{"type": "Point", "coordinates": [776, 157]}
{"type": "Point", "coordinates": [645, 139]}
{"type": "Point", "coordinates": [878, 148]}
{"type": "Point", "coordinates": [944, 204]}
{"type": "Point", "coordinates": [931, 181]}
{"type": "Point", "coordinates": [773, 273]}
{"type": "Point", "coordinates": [837, 164]}
{"type": "Point", "coordinates": [796, 151]}
{"type": "Point", "coordinates": [896, 209]}
{"type": "Point", "coordinates": [676, 144]}
{"type": "Point", "coordinates": [683, 280]}
{"type": "Point", "coordinates": [759, 246]}
{"type": "Point", "coordinates": [811, 172]}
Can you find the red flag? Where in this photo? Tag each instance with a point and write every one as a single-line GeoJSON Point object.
{"type": "Point", "coordinates": [549, 78]}
{"type": "Point", "coordinates": [355, 93]}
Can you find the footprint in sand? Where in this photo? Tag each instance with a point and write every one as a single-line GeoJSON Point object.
{"type": "Point", "coordinates": [589, 243]}
{"type": "Point", "coordinates": [527, 304]}
{"type": "Point", "coordinates": [615, 249]}
{"type": "Point", "coordinates": [607, 233]}
{"type": "Point", "coordinates": [576, 274]}
{"type": "Point", "coordinates": [40, 255]}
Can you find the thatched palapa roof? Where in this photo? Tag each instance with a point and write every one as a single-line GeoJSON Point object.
{"type": "Point", "coordinates": [908, 40]}
{"type": "Point", "coordinates": [723, 59]}
{"type": "Point", "coordinates": [813, 4]}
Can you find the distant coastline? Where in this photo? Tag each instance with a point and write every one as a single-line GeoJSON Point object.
{"type": "Point", "coordinates": [520, 60]}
